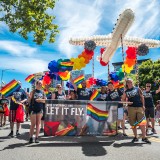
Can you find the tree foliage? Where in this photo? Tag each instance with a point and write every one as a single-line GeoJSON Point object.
{"type": "Point", "coordinates": [30, 16]}
{"type": "Point", "coordinates": [149, 71]}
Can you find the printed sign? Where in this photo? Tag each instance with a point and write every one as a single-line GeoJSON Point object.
{"type": "Point", "coordinates": [77, 118]}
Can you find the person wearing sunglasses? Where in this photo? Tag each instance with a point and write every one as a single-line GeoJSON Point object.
{"type": "Point", "coordinates": [59, 93]}
{"type": "Point", "coordinates": [149, 106]}
{"type": "Point", "coordinates": [37, 100]}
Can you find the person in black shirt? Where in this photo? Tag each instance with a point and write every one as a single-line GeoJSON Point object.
{"type": "Point", "coordinates": [103, 94]}
{"type": "Point", "coordinates": [83, 93]}
{"type": "Point", "coordinates": [149, 106]}
{"type": "Point", "coordinates": [135, 109]}
{"type": "Point", "coordinates": [20, 98]}
{"type": "Point", "coordinates": [115, 95]}
{"type": "Point", "coordinates": [59, 93]}
{"type": "Point", "coordinates": [36, 105]}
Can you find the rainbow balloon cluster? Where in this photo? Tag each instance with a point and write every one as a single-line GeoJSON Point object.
{"type": "Point", "coordinates": [60, 69]}
{"type": "Point", "coordinates": [116, 78]}
{"type": "Point", "coordinates": [130, 60]}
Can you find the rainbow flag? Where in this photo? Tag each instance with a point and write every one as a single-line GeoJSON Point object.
{"type": "Point", "coordinates": [96, 113]}
{"type": "Point", "coordinates": [69, 131]}
{"type": "Point", "coordinates": [11, 87]}
{"type": "Point", "coordinates": [30, 79]}
{"type": "Point", "coordinates": [67, 64]}
{"type": "Point", "coordinates": [78, 80]}
{"type": "Point", "coordinates": [95, 95]}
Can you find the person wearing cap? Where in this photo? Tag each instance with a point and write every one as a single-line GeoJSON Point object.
{"type": "Point", "coordinates": [135, 109]}
{"type": "Point", "coordinates": [20, 97]}
{"type": "Point", "coordinates": [149, 106]}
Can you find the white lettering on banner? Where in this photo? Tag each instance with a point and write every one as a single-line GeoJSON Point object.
{"type": "Point", "coordinates": [66, 110]}
{"type": "Point", "coordinates": [50, 110]}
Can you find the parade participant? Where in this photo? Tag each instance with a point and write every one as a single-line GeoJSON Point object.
{"type": "Point", "coordinates": [158, 112]}
{"type": "Point", "coordinates": [136, 109]}
{"type": "Point", "coordinates": [149, 106]}
{"type": "Point", "coordinates": [72, 95]}
{"type": "Point", "coordinates": [115, 95]}
{"type": "Point", "coordinates": [36, 105]}
{"type": "Point", "coordinates": [48, 96]}
{"type": "Point", "coordinates": [4, 102]}
{"type": "Point", "coordinates": [82, 93]}
{"type": "Point", "coordinates": [19, 98]}
{"type": "Point", "coordinates": [103, 94]}
{"type": "Point", "coordinates": [59, 94]}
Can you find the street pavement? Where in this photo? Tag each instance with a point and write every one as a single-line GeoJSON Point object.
{"type": "Point", "coordinates": [77, 148]}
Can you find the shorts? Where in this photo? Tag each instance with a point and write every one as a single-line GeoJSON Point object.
{"type": "Point", "coordinates": [150, 112]}
{"type": "Point", "coordinates": [126, 112]}
{"type": "Point", "coordinates": [43, 113]}
{"type": "Point", "coordinates": [120, 113]}
{"type": "Point", "coordinates": [12, 116]}
{"type": "Point", "coordinates": [135, 114]}
{"type": "Point", "coordinates": [36, 112]}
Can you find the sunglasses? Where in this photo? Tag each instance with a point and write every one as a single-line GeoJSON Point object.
{"type": "Point", "coordinates": [59, 87]}
{"type": "Point", "coordinates": [148, 86]}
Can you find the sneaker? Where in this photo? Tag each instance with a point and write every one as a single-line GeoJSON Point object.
{"type": "Point", "coordinates": [126, 127]}
{"type": "Point", "coordinates": [18, 134]}
{"type": "Point", "coordinates": [125, 135]}
{"type": "Point", "coordinates": [146, 140]}
{"type": "Point", "coordinates": [31, 140]}
{"type": "Point", "coordinates": [41, 130]}
{"type": "Point", "coordinates": [119, 128]}
{"type": "Point", "coordinates": [36, 140]}
{"type": "Point", "coordinates": [154, 131]}
{"type": "Point", "coordinates": [147, 132]}
{"type": "Point", "coordinates": [135, 139]}
{"type": "Point", "coordinates": [11, 134]}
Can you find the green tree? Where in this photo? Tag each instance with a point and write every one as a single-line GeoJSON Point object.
{"type": "Point", "coordinates": [149, 71]}
{"type": "Point", "coordinates": [30, 16]}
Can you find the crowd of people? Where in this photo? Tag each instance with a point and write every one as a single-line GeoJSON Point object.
{"type": "Point", "coordinates": [140, 106]}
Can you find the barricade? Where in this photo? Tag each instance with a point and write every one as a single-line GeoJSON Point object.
{"type": "Point", "coordinates": [80, 118]}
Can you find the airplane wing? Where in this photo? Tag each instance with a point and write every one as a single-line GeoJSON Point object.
{"type": "Point", "coordinates": [100, 40]}
{"type": "Point", "coordinates": [135, 42]}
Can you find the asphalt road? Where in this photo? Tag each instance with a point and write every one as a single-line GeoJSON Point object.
{"type": "Point", "coordinates": [77, 148]}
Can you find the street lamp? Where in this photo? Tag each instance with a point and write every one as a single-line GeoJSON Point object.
{"type": "Point", "coordinates": [3, 70]}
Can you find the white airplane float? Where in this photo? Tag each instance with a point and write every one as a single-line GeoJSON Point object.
{"type": "Point", "coordinates": [113, 41]}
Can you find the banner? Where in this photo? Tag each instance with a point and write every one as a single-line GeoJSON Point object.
{"type": "Point", "coordinates": [77, 118]}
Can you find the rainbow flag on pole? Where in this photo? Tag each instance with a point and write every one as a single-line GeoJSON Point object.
{"type": "Point", "coordinates": [78, 80]}
{"type": "Point", "coordinates": [30, 79]}
{"type": "Point", "coordinates": [96, 113]}
{"type": "Point", "coordinates": [11, 87]}
{"type": "Point", "coordinates": [95, 95]}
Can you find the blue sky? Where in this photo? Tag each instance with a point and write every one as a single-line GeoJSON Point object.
{"type": "Point", "coordinates": [77, 18]}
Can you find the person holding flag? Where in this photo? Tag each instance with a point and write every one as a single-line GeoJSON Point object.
{"type": "Point", "coordinates": [18, 98]}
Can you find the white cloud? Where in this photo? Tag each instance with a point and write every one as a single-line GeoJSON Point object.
{"type": "Point", "coordinates": [76, 19]}
{"type": "Point", "coordinates": [17, 48]}
{"type": "Point", "coordinates": [24, 64]}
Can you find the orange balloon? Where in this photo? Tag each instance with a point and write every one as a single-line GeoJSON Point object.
{"type": "Point", "coordinates": [88, 85]}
